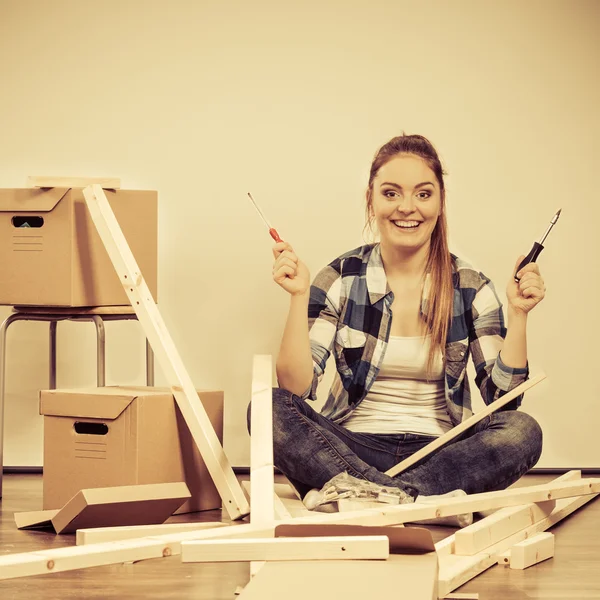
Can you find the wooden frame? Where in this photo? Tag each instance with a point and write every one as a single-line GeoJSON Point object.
{"type": "Point", "coordinates": [462, 427]}
{"type": "Point", "coordinates": [165, 351]}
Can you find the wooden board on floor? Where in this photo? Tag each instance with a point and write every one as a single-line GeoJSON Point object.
{"type": "Point", "coordinates": [166, 353]}
{"type": "Point", "coordinates": [375, 547]}
{"type": "Point", "coordinates": [99, 535]}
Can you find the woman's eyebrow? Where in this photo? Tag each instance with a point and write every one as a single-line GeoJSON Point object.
{"type": "Point", "coordinates": [419, 185]}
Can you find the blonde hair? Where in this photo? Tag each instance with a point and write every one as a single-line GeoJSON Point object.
{"type": "Point", "coordinates": [438, 311]}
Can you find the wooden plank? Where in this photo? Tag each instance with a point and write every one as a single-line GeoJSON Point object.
{"type": "Point", "coordinates": [412, 577]}
{"type": "Point", "coordinates": [98, 535]}
{"type": "Point", "coordinates": [461, 596]}
{"type": "Point", "coordinates": [43, 181]}
{"type": "Point", "coordinates": [500, 525]}
{"type": "Point", "coordinates": [462, 427]}
{"type": "Point", "coordinates": [281, 511]}
{"type": "Point", "coordinates": [375, 547]}
{"type": "Point", "coordinates": [457, 570]}
{"type": "Point", "coordinates": [165, 351]}
{"type": "Point", "coordinates": [532, 551]}
{"type": "Point", "coordinates": [262, 481]}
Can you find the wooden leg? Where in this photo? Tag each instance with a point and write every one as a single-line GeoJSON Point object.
{"type": "Point", "coordinates": [262, 482]}
{"type": "Point", "coordinates": [162, 344]}
{"type": "Point", "coordinates": [532, 551]}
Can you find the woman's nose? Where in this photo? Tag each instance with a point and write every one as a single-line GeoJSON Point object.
{"type": "Point", "coordinates": [405, 205]}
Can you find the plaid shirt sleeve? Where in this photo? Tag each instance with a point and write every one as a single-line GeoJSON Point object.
{"type": "Point", "coordinates": [323, 315]}
{"type": "Point", "coordinates": [487, 334]}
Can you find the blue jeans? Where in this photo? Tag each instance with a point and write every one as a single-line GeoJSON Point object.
{"type": "Point", "coordinates": [310, 449]}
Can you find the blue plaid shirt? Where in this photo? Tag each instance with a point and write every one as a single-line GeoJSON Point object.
{"type": "Point", "coordinates": [349, 313]}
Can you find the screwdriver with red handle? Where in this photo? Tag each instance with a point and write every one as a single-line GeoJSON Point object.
{"type": "Point", "coordinates": [272, 231]}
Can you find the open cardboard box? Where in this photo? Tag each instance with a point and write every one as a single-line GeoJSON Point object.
{"type": "Point", "coordinates": [411, 572]}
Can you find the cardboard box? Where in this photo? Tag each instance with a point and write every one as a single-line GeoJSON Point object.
{"type": "Point", "coordinates": [110, 507]}
{"type": "Point", "coordinates": [52, 255]}
{"type": "Point", "coordinates": [113, 436]}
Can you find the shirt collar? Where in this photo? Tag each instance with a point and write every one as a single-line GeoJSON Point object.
{"type": "Point", "coordinates": [377, 284]}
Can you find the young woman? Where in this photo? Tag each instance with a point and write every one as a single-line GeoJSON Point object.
{"type": "Point", "coordinates": [402, 317]}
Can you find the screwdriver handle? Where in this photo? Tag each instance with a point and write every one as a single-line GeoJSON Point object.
{"type": "Point", "coordinates": [531, 257]}
{"type": "Point", "coordinates": [273, 233]}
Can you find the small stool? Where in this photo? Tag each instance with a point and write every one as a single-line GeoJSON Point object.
{"type": "Point", "coordinates": [53, 315]}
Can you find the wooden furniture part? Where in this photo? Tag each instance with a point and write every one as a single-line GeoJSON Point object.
{"type": "Point", "coordinates": [53, 315]}
{"type": "Point", "coordinates": [462, 427]}
{"type": "Point", "coordinates": [100, 535]}
{"type": "Point", "coordinates": [456, 573]}
{"type": "Point", "coordinates": [375, 547]}
{"type": "Point", "coordinates": [262, 481]}
{"type": "Point", "coordinates": [172, 366]}
{"type": "Point", "coordinates": [281, 512]}
{"type": "Point", "coordinates": [457, 570]}
{"type": "Point", "coordinates": [532, 551]}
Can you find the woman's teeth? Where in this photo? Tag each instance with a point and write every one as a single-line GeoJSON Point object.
{"type": "Point", "coordinates": [406, 224]}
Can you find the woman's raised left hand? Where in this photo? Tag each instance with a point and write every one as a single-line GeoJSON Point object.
{"type": "Point", "coordinates": [530, 290]}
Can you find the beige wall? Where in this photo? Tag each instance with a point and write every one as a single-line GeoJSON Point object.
{"type": "Point", "coordinates": [205, 101]}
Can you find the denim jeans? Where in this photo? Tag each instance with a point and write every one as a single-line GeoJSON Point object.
{"type": "Point", "coordinates": [310, 449]}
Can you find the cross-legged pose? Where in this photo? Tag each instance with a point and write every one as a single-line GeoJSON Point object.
{"type": "Point", "coordinates": [401, 317]}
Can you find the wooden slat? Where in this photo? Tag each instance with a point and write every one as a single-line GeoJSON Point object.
{"type": "Point", "coordinates": [262, 482]}
{"type": "Point", "coordinates": [165, 351]}
{"type": "Point", "coordinates": [462, 427]}
{"type": "Point", "coordinates": [307, 548]}
{"type": "Point", "coordinates": [99, 535]}
{"type": "Point", "coordinates": [281, 511]}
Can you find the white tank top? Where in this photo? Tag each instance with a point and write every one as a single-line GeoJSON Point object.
{"type": "Point", "coordinates": [401, 399]}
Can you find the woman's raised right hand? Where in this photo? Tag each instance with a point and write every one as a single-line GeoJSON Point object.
{"type": "Point", "coordinates": [289, 271]}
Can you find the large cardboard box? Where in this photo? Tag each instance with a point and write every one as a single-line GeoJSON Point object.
{"type": "Point", "coordinates": [52, 255]}
{"type": "Point", "coordinates": [113, 436]}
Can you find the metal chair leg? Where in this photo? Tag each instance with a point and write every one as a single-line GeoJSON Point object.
{"type": "Point", "coordinates": [100, 350]}
{"type": "Point", "coordinates": [52, 374]}
{"type": "Point", "coordinates": [3, 329]}
{"type": "Point", "coordinates": [149, 365]}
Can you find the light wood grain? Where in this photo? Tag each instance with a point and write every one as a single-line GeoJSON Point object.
{"type": "Point", "coordinates": [165, 351]}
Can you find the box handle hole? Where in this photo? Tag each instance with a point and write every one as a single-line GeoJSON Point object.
{"type": "Point", "coordinates": [90, 428]}
{"type": "Point", "coordinates": [28, 222]}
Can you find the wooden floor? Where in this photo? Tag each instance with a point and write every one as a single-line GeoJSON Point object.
{"type": "Point", "coordinates": [574, 572]}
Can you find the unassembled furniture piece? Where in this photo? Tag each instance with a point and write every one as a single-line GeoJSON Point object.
{"type": "Point", "coordinates": [53, 315]}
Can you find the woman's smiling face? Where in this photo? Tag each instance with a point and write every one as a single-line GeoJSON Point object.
{"type": "Point", "coordinates": [405, 202]}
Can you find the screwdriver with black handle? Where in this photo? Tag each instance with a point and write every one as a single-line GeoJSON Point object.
{"type": "Point", "coordinates": [537, 246]}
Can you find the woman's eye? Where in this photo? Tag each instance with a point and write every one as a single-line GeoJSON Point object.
{"type": "Point", "coordinates": [390, 194]}
{"type": "Point", "coordinates": [424, 194]}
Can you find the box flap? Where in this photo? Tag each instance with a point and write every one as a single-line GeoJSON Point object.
{"type": "Point", "coordinates": [19, 200]}
{"type": "Point", "coordinates": [37, 519]}
{"type": "Point", "coordinates": [90, 403]}
{"type": "Point", "coordinates": [121, 505]}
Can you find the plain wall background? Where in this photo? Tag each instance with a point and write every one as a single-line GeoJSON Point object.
{"type": "Point", "coordinates": [205, 101]}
